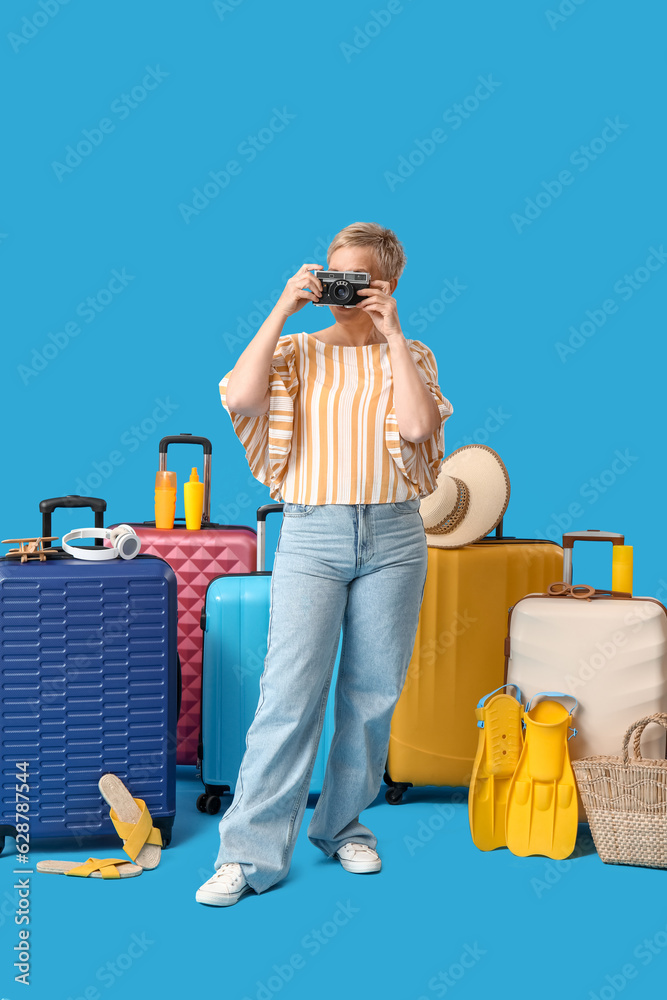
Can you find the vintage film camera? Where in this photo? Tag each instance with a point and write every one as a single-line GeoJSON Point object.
{"type": "Point", "coordinates": [339, 288]}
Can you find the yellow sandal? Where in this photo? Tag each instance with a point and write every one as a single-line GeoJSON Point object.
{"type": "Point", "coordinates": [142, 842]}
{"type": "Point", "coordinates": [107, 868]}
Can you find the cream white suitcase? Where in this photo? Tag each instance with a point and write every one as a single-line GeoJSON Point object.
{"type": "Point", "coordinates": [608, 649]}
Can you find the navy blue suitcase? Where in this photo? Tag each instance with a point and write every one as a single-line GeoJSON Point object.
{"type": "Point", "coordinates": [89, 676]}
{"type": "Point", "coordinates": [235, 625]}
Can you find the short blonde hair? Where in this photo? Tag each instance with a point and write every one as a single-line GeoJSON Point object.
{"type": "Point", "coordinates": [385, 244]}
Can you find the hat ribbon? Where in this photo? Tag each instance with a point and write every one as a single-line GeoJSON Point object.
{"type": "Point", "coordinates": [458, 512]}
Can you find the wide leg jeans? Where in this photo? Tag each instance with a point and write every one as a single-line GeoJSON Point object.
{"type": "Point", "coordinates": [361, 568]}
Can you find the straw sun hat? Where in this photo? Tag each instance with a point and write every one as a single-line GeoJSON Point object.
{"type": "Point", "coordinates": [471, 495]}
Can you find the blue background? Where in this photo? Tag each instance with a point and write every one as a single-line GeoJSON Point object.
{"type": "Point", "coordinates": [362, 90]}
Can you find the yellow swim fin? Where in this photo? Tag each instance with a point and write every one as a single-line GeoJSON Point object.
{"type": "Point", "coordinates": [542, 810]}
{"type": "Point", "coordinates": [498, 751]}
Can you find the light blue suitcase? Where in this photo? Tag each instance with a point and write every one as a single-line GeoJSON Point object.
{"type": "Point", "coordinates": [235, 625]}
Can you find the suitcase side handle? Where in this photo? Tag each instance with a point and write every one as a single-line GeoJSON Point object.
{"type": "Point", "coordinates": [96, 504]}
{"type": "Point", "coordinates": [186, 438]}
{"type": "Point", "coordinates": [591, 535]}
{"type": "Point", "coordinates": [266, 508]}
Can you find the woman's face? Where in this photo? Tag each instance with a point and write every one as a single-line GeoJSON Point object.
{"type": "Point", "coordinates": [352, 258]}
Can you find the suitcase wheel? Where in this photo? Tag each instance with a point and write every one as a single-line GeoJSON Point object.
{"type": "Point", "coordinates": [396, 791]}
{"type": "Point", "coordinates": [208, 803]}
{"type": "Point", "coordinates": [394, 795]}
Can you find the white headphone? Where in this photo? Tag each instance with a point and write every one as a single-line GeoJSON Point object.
{"type": "Point", "coordinates": [124, 539]}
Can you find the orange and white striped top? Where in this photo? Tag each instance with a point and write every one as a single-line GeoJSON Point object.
{"type": "Point", "coordinates": [331, 434]}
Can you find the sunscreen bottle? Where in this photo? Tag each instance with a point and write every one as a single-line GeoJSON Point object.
{"type": "Point", "coordinates": [621, 568]}
{"type": "Point", "coordinates": [165, 499]}
{"type": "Point", "coordinates": [193, 499]}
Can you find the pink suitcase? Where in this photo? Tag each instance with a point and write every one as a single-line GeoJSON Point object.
{"type": "Point", "coordinates": [196, 557]}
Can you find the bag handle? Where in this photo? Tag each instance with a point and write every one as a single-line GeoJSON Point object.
{"type": "Point", "coordinates": [96, 504]}
{"type": "Point", "coordinates": [266, 508]}
{"type": "Point", "coordinates": [208, 448]}
{"type": "Point", "coordinates": [638, 728]}
{"type": "Point", "coordinates": [591, 535]}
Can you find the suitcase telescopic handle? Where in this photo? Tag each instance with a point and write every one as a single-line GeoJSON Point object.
{"type": "Point", "coordinates": [267, 508]}
{"type": "Point", "coordinates": [96, 504]}
{"type": "Point", "coordinates": [208, 449]}
{"type": "Point", "coordinates": [591, 535]}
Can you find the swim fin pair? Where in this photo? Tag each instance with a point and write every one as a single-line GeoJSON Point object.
{"type": "Point", "coordinates": [523, 793]}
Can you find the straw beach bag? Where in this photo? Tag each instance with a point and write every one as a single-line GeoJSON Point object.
{"type": "Point", "coordinates": [626, 802]}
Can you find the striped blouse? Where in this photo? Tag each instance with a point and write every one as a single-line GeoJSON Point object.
{"type": "Point", "coordinates": [331, 434]}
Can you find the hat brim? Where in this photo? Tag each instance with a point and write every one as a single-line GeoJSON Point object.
{"type": "Point", "coordinates": [488, 482]}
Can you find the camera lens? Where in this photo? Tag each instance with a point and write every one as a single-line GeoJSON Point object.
{"type": "Point", "coordinates": [342, 292]}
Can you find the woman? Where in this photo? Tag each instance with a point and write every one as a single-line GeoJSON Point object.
{"type": "Point", "coordinates": [345, 426]}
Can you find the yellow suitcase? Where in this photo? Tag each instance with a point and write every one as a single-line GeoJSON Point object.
{"type": "Point", "coordinates": [459, 654]}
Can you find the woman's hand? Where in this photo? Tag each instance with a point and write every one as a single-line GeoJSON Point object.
{"type": "Point", "coordinates": [380, 305]}
{"type": "Point", "coordinates": [302, 287]}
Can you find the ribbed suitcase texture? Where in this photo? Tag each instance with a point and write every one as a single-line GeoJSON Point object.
{"type": "Point", "coordinates": [459, 654]}
{"type": "Point", "coordinates": [235, 623]}
{"type": "Point", "coordinates": [196, 557]}
{"type": "Point", "coordinates": [88, 668]}
{"type": "Point", "coordinates": [609, 653]}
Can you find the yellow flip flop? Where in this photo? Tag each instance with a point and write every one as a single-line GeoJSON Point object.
{"type": "Point", "coordinates": [107, 868]}
{"type": "Point", "coordinates": [142, 842]}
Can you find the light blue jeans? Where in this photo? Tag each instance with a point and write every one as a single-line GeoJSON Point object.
{"type": "Point", "coordinates": [362, 567]}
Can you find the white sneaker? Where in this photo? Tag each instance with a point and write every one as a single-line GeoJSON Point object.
{"type": "Point", "coordinates": [225, 887]}
{"type": "Point", "coordinates": [358, 858]}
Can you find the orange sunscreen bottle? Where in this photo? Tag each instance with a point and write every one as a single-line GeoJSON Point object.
{"type": "Point", "coordinates": [193, 499]}
{"type": "Point", "coordinates": [165, 499]}
{"type": "Point", "coordinates": [621, 568]}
